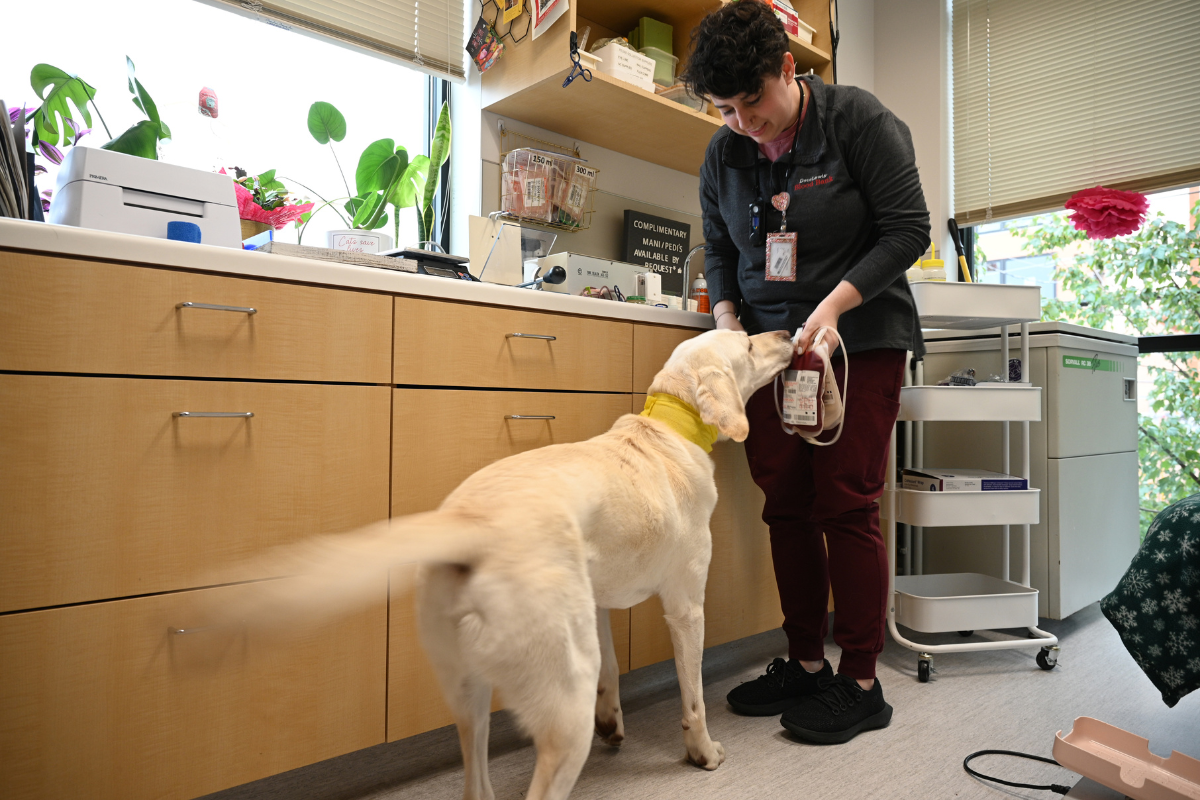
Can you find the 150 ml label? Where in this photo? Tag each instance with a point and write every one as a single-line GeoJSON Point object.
{"type": "Point", "coordinates": [800, 396]}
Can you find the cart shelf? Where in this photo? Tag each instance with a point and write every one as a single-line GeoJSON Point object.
{"type": "Point", "coordinates": [985, 402]}
{"type": "Point", "coordinates": [975, 306]}
{"type": "Point", "coordinates": [961, 601]}
{"type": "Point", "coordinates": [940, 509]}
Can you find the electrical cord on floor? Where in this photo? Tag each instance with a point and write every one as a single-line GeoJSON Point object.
{"type": "Point", "coordinates": [1054, 787]}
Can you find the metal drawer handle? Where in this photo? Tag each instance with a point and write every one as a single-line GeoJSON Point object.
{"type": "Point", "coordinates": [243, 414]}
{"type": "Point", "coordinates": [528, 416]}
{"type": "Point", "coordinates": [529, 336]}
{"type": "Point", "coordinates": [213, 307]}
{"type": "Point", "coordinates": [186, 631]}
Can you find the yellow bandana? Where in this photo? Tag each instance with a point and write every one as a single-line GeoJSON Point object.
{"type": "Point", "coordinates": [682, 418]}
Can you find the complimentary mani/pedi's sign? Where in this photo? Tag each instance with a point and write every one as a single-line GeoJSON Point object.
{"type": "Point", "coordinates": [659, 244]}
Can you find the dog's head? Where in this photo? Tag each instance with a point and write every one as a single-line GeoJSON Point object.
{"type": "Point", "coordinates": [718, 371]}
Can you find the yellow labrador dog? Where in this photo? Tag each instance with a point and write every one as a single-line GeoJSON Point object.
{"type": "Point", "coordinates": [520, 557]}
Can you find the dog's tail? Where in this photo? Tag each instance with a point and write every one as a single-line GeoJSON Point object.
{"type": "Point", "coordinates": [333, 575]}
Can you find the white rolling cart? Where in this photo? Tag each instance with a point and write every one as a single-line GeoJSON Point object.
{"type": "Point", "coordinates": [966, 602]}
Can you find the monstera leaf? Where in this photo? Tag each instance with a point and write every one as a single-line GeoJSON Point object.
{"type": "Point", "coordinates": [367, 210]}
{"type": "Point", "coordinates": [379, 166]}
{"type": "Point", "coordinates": [411, 184]}
{"type": "Point", "coordinates": [141, 99]}
{"type": "Point", "coordinates": [64, 90]}
{"type": "Point", "coordinates": [141, 140]}
{"type": "Point", "coordinates": [325, 122]}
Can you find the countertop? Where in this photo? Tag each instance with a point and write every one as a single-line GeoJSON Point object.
{"type": "Point", "coordinates": [64, 240]}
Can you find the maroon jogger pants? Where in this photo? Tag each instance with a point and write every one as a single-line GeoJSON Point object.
{"type": "Point", "coordinates": [831, 491]}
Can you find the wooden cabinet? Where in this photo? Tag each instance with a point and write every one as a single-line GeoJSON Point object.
{"type": "Point", "coordinates": [70, 315]}
{"type": "Point", "coordinates": [108, 493]}
{"type": "Point", "coordinates": [455, 344]}
{"type": "Point", "coordinates": [107, 701]}
{"type": "Point", "coordinates": [124, 519]}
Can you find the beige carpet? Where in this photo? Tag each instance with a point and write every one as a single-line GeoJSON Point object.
{"type": "Point", "coordinates": [977, 701]}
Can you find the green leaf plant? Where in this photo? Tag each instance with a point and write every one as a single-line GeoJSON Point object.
{"type": "Point", "coordinates": [439, 151]}
{"type": "Point", "coordinates": [1146, 283]}
{"type": "Point", "coordinates": [385, 176]}
{"type": "Point", "coordinates": [55, 123]}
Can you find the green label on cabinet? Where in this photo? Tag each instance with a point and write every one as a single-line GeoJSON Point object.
{"type": "Point", "coordinates": [1091, 363]}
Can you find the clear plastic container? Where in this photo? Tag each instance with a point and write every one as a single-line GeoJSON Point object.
{"type": "Point", "coordinates": [664, 65]}
{"type": "Point", "coordinates": [679, 94]}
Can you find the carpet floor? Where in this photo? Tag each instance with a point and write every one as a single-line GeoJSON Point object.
{"type": "Point", "coordinates": [976, 701]}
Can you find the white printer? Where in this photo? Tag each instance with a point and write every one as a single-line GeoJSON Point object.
{"type": "Point", "coordinates": [117, 192]}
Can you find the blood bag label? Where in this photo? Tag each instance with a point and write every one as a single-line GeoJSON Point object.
{"type": "Point", "coordinates": [800, 397]}
{"type": "Point", "coordinates": [535, 191]}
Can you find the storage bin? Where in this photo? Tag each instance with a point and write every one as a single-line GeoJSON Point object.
{"type": "Point", "coordinates": [652, 33]}
{"type": "Point", "coordinates": [664, 65]}
{"type": "Point", "coordinates": [626, 65]}
{"type": "Point", "coordinates": [679, 94]}
{"type": "Point", "coordinates": [546, 187]}
{"type": "Point", "coordinates": [963, 602]}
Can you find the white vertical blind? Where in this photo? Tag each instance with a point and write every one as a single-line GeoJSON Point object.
{"type": "Point", "coordinates": [425, 33]}
{"type": "Point", "coordinates": [1054, 97]}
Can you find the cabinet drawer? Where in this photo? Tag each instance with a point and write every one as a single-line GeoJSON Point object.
{"type": "Point", "coordinates": [453, 344]}
{"type": "Point", "coordinates": [441, 436]}
{"type": "Point", "coordinates": [652, 346]}
{"type": "Point", "coordinates": [105, 493]}
{"type": "Point", "coordinates": [102, 701]}
{"type": "Point", "coordinates": [66, 315]}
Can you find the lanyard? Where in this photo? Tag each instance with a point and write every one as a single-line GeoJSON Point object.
{"type": "Point", "coordinates": [782, 199]}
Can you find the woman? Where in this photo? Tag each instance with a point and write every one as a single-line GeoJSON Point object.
{"type": "Point", "coordinates": [830, 175]}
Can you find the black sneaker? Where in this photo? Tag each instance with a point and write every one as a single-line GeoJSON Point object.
{"type": "Point", "coordinates": [784, 684]}
{"type": "Point", "coordinates": [838, 712]}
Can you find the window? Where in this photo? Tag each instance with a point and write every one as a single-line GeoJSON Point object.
{"type": "Point", "coordinates": [1052, 98]}
{"type": "Point", "coordinates": [265, 79]}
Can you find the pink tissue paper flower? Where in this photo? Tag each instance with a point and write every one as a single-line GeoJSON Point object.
{"type": "Point", "coordinates": [1105, 213]}
{"type": "Point", "coordinates": [277, 218]}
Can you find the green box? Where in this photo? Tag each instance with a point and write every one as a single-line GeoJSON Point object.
{"type": "Point", "coordinates": [652, 33]}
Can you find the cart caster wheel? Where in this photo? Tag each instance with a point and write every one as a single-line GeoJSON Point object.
{"type": "Point", "coordinates": [966, 633]}
{"type": "Point", "coordinates": [1047, 658]}
{"type": "Point", "coordinates": [923, 670]}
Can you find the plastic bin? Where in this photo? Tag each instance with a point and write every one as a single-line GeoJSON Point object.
{"type": "Point", "coordinates": [963, 601]}
{"type": "Point", "coordinates": [679, 94]}
{"type": "Point", "coordinates": [652, 33]}
{"type": "Point", "coordinates": [664, 65]}
{"type": "Point", "coordinates": [626, 65]}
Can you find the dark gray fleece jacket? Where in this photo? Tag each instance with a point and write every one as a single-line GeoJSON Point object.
{"type": "Point", "coordinates": [856, 206]}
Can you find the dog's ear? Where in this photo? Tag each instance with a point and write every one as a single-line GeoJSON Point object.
{"type": "Point", "coordinates": [720, 403]}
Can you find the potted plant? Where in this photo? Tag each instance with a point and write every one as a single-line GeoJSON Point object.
{"type": "Point", "coordinates": [264, 202]}
{"type": "Point", "coordinates": [385, 176]}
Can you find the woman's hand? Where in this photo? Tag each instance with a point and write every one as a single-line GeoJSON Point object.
{"type": "Point", "coordinates": [725, 316]}
{"type": "Point", "coordinates": [843, 298]}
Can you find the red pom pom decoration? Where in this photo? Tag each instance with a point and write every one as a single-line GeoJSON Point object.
{"type": "Point", "coordinates": [1105, 213]}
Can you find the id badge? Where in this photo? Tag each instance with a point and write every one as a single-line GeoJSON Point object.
{"type": "Point", "coordinates": [781, 256]}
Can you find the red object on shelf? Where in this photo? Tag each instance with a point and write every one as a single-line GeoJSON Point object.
{"type": "Point", "coordinates": [1105, 213]}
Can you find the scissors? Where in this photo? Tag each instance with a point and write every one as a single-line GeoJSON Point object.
{"type": "Point", "coordinates": [577, 69]}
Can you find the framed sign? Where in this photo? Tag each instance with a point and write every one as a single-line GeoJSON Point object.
{"type": "Point", "coordinates": [660, 244]}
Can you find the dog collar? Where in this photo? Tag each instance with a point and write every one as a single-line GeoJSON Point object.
{"type": "Point", "coordinates": [682, 418]}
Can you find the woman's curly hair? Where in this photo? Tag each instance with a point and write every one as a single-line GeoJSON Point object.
{"type": "Point", "coordinates": [733, 48]}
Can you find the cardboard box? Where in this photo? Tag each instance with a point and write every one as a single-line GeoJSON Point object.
{"type": "Point", "coordinates": [934, 479]}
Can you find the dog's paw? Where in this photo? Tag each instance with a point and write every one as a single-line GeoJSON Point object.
{"type": "Point", "coordinates": [611, 731]}
{"type": "Point", "coordinates": [709, 757]}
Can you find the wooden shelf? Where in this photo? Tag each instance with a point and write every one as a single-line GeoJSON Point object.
{"type": "Point", "coordinates": [615, 115]}
{"type": "Point", "coordinates": [807, 56]}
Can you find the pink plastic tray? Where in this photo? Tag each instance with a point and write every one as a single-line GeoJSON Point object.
{"type": "Point", "coordinates": [1122, 761]}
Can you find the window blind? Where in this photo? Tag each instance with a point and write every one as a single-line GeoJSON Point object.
{"type": "Point", "coordinates": [427, 34]}
{"type": "Point", "coordinates": [1054, 97]}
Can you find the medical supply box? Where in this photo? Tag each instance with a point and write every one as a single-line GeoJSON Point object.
{"type": "Point", "coordinates": [116, 192]}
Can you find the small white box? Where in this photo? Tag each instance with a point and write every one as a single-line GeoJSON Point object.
{"type": "Point", "coordinates": [649, 286]}
{"type": "Point", "coordinates": [626, 65]}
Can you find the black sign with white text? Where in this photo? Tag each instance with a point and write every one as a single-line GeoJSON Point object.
{"type": "Point", "coordinates": [660, 244]}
